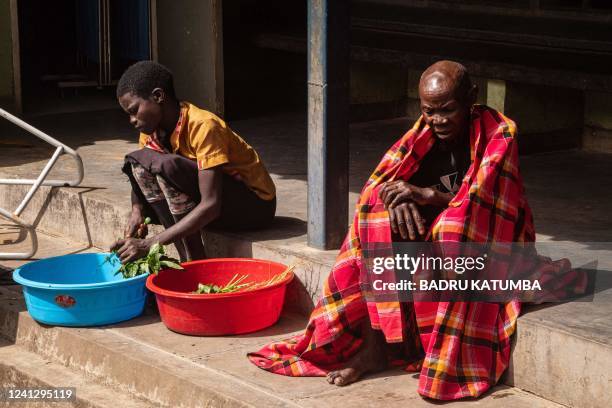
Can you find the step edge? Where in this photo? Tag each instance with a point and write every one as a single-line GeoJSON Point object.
{"type": "Point", "coordinates": [86, 391]}
{"type": "Point", "coordinates": [31, 333]}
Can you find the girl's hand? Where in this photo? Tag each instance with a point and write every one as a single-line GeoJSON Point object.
{"type": "Point", "coordinates": [136, 226]}
{"type": "Point", "coordinates": [131, 249]}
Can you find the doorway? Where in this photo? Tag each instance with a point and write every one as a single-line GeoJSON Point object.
{"type": "Point", "coordinates": [72, 52]}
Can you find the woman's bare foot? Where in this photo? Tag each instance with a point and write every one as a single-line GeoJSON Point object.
{"type": "Point", "coordinates": [344, 377]}
{"type": "Point", "coordinates": [371, 358]}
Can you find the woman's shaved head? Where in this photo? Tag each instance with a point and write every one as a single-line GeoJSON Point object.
{"type": "Point", "coordinates": [447, 95]}
{"type": "Point", "coordinates": [446, 77]}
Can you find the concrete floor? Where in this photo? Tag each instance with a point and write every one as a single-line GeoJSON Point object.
{"type": "Point", "coordinates": [145, 359]}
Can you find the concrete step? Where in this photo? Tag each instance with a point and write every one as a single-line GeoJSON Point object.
{"type": "Point", "coordinates": [563, 352]}
{"type": "Point", "coordinates": [143, 359]}
{"type": "Point", "coordinates": [20, 368]}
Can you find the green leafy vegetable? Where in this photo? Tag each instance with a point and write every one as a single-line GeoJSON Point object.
{"type": "Point", "coordinates": [234, 285]}
{"type": "Point", "coordinates": [155, 260]}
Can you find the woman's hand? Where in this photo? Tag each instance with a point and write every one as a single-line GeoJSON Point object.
{"type": "Point", "coordinates": [136, 227]}
{"type": "Point", "coordinates": [131, 249]}
{"type": "Point", "coordinates": [406, 220]}
{"type": "Point", "coordinates": [396, 192]}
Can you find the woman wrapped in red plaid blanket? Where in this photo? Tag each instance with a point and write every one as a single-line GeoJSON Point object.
{"type": "Point", "coordinates": [461, 349]}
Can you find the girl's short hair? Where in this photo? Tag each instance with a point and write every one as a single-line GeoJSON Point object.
{"type": "Point", "coordinates": [143, 77]}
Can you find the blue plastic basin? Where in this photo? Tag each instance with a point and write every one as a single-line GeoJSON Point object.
{"type": "Point", "coordinates": [80, 290]}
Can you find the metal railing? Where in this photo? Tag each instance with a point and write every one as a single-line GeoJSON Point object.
{"type": "Point", "coordinates": [36, 183]}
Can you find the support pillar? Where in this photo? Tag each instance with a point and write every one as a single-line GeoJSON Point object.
{"type": "Point", "coordinates": [328, 122]}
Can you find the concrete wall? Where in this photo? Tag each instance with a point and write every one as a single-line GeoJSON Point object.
{"type": "Point", "coordinates": [377, 91]}
{"type": "Point", "coordinates": [597, 122]}
{"type": "Point", "coordinates": [542, 109]}
{"type": "Point", "coordinates": [190, 43]}
{"type": "Point", "coordinates": [6, 57]}
{"type": "Point", "coordinates": [548, 118]}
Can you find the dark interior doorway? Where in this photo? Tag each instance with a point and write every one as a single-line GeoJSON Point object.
{"type": "Point", "coordinates": [73, 51]}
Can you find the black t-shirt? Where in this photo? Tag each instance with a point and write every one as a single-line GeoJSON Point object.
{"type": "Point", "coordinates": [442, 168]}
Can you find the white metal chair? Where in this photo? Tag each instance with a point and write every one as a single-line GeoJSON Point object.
{"type": "Point", "coordinates": [36, 183]}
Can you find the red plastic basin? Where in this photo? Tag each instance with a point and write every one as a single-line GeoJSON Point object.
{"type": "Point", "coordinates": [223, 313]}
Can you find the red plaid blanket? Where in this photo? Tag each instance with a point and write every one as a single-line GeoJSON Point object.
{"type": "Point", "coordinates": [461, 349]}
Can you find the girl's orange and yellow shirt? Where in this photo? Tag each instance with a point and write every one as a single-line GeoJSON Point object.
{"type": "Point", "coordinates": [204, 137]}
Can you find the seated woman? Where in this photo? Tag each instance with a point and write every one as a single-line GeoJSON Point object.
{"type": "Point", "coordinates": [191, 170]}
{"type": "Point", "coordinates": [454, 177]}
